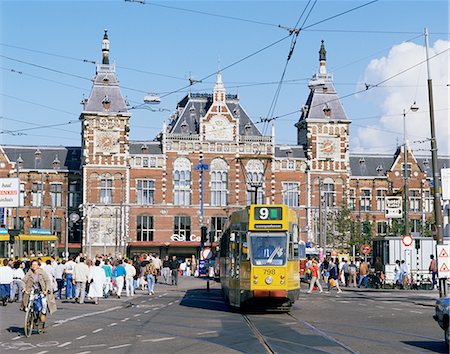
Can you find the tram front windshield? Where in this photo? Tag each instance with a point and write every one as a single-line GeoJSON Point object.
{"type": "Point", "coordinates": [268, 249]}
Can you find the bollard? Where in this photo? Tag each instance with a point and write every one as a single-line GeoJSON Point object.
{"type": "Point", "coordinates": [207, 285]}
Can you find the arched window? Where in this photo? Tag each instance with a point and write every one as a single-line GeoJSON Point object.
{"type": "Point", "coordinates": [219, 182]}
{"type": "Point", "coordinates": [255, 181]}
{"type": "Point", "coordinates": [182, 181]}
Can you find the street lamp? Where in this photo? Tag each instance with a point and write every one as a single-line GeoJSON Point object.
{"type": "Point", "coordinates": [414, 108]}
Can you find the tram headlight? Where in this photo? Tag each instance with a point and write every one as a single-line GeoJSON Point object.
{"type": "Point", "coordinates": [269, 280]}
{"type": "Point", "coordinates": [282, 276]}
{"type": "Point", "coordinates": [255, 279]}
{"type": "Point", "coordinates": [282, 281]}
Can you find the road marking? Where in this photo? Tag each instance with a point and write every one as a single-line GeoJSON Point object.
{"type": "Point", "coordinates": [416, 311]}
{"type": "Point", "coordinates": [84, 353]}
{"type": "Point", "coordinates": [396, 309]}
{"type": "Point", "coordinates": [125, 319]}
{"type": "Point", "coordinates": [112, 324]}
{"type": "Point", "coordinates": [142, 301]}
{"type": "Point", "coordinates": [43, 352]}
{"type": "Point", "coordinates": [329, 337]}
{"type": "Point", "coordinates": [64, 344]}
{"type": "Point", "coordinates": [120, 346]}
{"type": "Point", "coordinates": [379, 307]}
{"type": "Point", "coordinates": [60, 322]}
{"type": "Point", "coordinates": [211, 332]}
{"type": "Point", "coordinates": [80, 337]}
{"type": "Point", "coordinates": [177, 300]}
{"type": "Point", "coordinates": [147, 311]}
{"type": "Point", "coordinates": [137, 315]}
{"type": "Point", "coordinates": [16, 337]}
{"type": "Point", "coordinates": [344, 302]}
{"type": "Point", "coordinates": [97, 330]}
{"type": "Point", "coordinates": [158, 339]}
{"type": "Point", "coordinates": [170, 303]}
{"type": "Point", "coordinates": [93, 346]}
{"type": "Point", "coordinates": [362, 304]}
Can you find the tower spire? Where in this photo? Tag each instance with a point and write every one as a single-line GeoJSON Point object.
{"type": "Point", "coordinates": [105, 48]}
{"type": "Point", "coordinates": [219, 88]}
{"type": "Point", "coordinates": [322, 59]}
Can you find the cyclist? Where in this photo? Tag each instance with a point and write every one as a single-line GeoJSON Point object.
{"type": "Point", "coordinates": [37, 279]}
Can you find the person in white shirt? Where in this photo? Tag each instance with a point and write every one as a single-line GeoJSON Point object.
{"type": "Point", "coordinates": [68, 270]}
{"type": "Point", "coordinates": [97, 278]}
{"type": "Point", "coordinates": [131, 272]}
{"type": "Point", "coordinates": [59, 276]}
{"type": "Point", "coordinates": [47, 268]}
{"type": "Point", "coordinates": [6, 280]}
{"type": "Point", "coordinates": [80, 278]}
{"type": "Point", "coordinates": [17, 285]}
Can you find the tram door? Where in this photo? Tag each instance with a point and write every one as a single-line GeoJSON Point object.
{"type": "Point", "coordinates": [235, 269]}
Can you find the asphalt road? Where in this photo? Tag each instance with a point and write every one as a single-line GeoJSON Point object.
{"type": "Point", "coordinates": [188, 319]}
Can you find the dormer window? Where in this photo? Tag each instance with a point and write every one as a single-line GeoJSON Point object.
{"type": "Point", "coordinates": [289, 153]}
{"type": "Point", "coordinates": [362, 161]}
{"type": "Point", "coordinates": [20, 161]}
{"type": "Point", "coordinates": [426, 164]}
{"type": "Point", "coordinates": [106, 103]}
{"type": "Point", "coordinates": [184, 128]}
{"type": "Point", "coordinates": [144, 149]}
{"type": "Point", "coordinates": [380, 170]}
{"type": "Point", "coordinates": [192, 110]}
{"type": "Point", "coordinates": [56, 163]}
{"type": "Point", "coordinates": [37, 158]}
{"type": "Point", "coordinates": [237, 112]}
{"type": "Point", "coordinates": [105, 79]}
{"type": "Point", "coordinates": [248, 129]}
{"type": "Point", "coordinates": [327, 110]}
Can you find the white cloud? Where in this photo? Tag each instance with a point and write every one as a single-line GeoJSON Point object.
{"type": "Point", "coordinates": [398, 93]}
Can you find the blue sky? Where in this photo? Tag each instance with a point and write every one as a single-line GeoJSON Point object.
{"type": "Point", "coordinates": [156, 49]}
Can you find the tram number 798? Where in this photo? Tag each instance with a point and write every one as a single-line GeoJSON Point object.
{"type": "Point", "coordinates": [269, 271]}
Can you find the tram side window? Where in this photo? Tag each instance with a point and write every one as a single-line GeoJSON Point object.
{"type": "Point", "coordinates": [244, 247]}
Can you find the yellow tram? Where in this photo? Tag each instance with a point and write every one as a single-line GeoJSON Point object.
{"type": "Point", "coordinates": [259, 264]}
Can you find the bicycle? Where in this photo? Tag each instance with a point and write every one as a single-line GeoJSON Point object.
{"type": "Point", "coordinates": [33, 314]}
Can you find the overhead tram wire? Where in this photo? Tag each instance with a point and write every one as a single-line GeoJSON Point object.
{"type": "Point", "coordinates": [39, 127]}
{"type": "Point", "coordinates": [35, 124]}
{"type": "Point", "coordinates": [205, 13]}
{"type": "Point", "coordinates": [296, 32]}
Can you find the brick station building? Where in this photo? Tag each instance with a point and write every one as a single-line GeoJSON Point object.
{"type": "Point", "coordinates": [120, 196]}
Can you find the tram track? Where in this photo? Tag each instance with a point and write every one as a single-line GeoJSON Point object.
{"type": "Point", "coordinates": [284, 333]}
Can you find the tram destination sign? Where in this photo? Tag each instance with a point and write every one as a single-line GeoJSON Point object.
{"type": "Point", "coordinates": [268, 226]}
{"type": "Point", "coordinates": [268, 213]}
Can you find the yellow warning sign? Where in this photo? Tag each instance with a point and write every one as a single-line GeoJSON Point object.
{"type": "Point", "coordinates": [443, 253]}
{"type": "Point", "coordinates": [443, 268]}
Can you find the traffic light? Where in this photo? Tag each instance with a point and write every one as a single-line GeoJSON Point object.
{"type": "Point", "coordinates": [204, 234]}
{"type": "Point", "coordinates": [12, 234]}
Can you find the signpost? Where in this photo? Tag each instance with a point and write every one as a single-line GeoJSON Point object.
{"type": "Point", "coordinates": [393, 207]}
{"type": "Point", "coordinates": [365, 249]}
{"type": "Point", "coordinates": [9, 192]}
{"type": "Point", "coordinates": [407, 240]}
{"type": "Point", "coordinates": [443, 258]}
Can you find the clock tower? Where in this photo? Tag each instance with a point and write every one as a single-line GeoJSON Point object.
{"type": "Point", "coordinates": [105, 146]}
{"type": "Point", "coordinates": [323, 127]}
{"type": "Point", "coordinates": [323, 132]}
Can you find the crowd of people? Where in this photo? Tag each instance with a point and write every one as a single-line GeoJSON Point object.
{"type": "Point", "coordinates": [350, 274]}
{"type": "Point", "coordinates": [79, 278]}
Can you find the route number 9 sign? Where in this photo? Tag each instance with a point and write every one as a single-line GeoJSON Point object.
{"type": "Point", "coordinates": [268, 213]}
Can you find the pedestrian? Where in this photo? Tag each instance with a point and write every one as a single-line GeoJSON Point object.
{"type": "Point", "coordinates": [129, 277]}
{"type": "Point", "coordinates": [97, 281]}
{"type": "Point", "coordinates": [137, 273]}
{"type": "Point", "coordinates": [345, 272]}
{"type": "Point", "coordinates": [363, 273]}
{"type": "Point", "coordinates": [6, 281]}
{"type": "Point", "coordinates": [166, 270]}
{"type": "Point", "coordinates": [379, 271]}
{"type": "Point", "coordinates": [80, 279]}
{"type": "Point", "coordinates": [107, 268]}
{"type": "Point", "coordinates": [334, 276]}
{"type": "Point", "coordinates": [47, 267]}
{"type": "Point", "coordinates": [17, 285]}
{"type": "Point", "coordinates": [352, 273]}
{"type": "Point", "coordinates": [174, 270]}
{"type": "Point", "coordinates": [433, 270]}
{"type": "Point", "coordinates": [314, 276]}
{"type": "Point", "coordinates": [150, 274]}
{"type": "Point", "coordinates": [397, 273]}
{"type": "Point", "coordinates": [59, 276]}
{"type": "Point", "coordinates": [119, 273]}
{"type": "Point", "coordinates": [404, 269]}
{"type": "Point", "coordinates": [325, 270]}
{"type": "Point", "coordinates": [183, 268]}
{"type": "Point", "coordinates": [68, 270]}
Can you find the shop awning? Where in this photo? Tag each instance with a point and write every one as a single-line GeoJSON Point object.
{"type": "Point", "coordinates": [38, 238]}
{"type": "Point", "coordinates": [4, 237]}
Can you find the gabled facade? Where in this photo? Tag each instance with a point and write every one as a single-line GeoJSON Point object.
{"type": "Point", "coordinates": [145, 196]}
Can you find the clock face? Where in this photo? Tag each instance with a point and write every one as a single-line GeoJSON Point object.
{"type": "Point", "coordinates": [107, 142]}
{"type": "Point", "coordinates": [328, 148]}
{"type": "Point", "coordinates": [219, 128]}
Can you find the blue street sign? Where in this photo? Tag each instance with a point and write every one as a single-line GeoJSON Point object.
{"type": "Point", "coordinates": [201, 166]}
{"type": "Point", "coordinates": [202, 267]}
{"type": "Point", "coordinates": [39, 232]}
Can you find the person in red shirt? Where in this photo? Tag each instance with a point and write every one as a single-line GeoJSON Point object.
{"type": "Point", "coordinates": [314, 267]}
{"type": "Point", "coordinates": [433, 269]}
